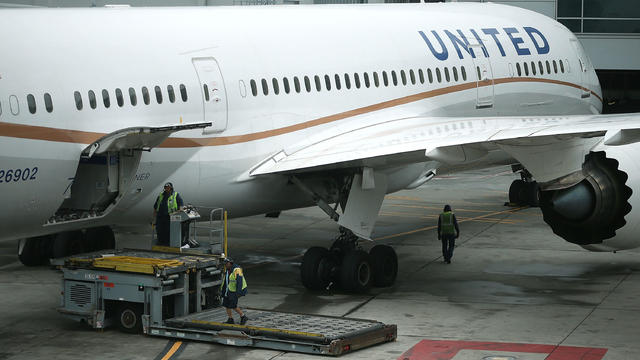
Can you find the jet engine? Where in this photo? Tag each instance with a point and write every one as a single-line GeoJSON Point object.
{"type": "Point", "coordinates": [597, 212]}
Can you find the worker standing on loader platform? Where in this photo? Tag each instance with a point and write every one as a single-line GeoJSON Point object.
{"type": "Point", "coordinates": [167, 202]}
{"type": "Point", "coordinates": [233, 286]}
{"type": "Point", "coordinates": [448, 232]}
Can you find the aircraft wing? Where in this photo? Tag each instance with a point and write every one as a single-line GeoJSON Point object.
{"type": "Point", "coordinates": [549, 147]}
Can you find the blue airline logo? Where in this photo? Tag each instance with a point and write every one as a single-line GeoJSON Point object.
{"type": "Point", "coordinates": [460, 43]}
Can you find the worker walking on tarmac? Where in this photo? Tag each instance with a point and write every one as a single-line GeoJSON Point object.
{"type": "Point", "coordinates": [448, 232]}
{"type": "Point", "coordinates": [233, 286]}
{"type": "Point", "coordinates": [168, 201]}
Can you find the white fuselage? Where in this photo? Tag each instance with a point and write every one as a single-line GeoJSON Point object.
{"type": "Point", "coordinates": [59, 52]}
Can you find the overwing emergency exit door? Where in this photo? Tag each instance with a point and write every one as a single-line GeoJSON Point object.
{"type": "Point", "coordinates": [213, 92]}
{"type": "Point", "coordinates": [484, 77]}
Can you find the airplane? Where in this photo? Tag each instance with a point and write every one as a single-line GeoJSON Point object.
{"type": "Point", "coordinates": [263, 109]}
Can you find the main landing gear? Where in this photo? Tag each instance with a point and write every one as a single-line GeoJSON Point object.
{"type": "Point", "coordinates": [38, 250]}
{"type": "Point", "coordinates": [525, 191]}
{"type": "Point", "coordinates": [346, 264]}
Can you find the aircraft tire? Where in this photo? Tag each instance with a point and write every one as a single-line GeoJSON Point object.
{"type": "Point", "coordinates": [68, 243]}
{"type": "Point", "coordinates": [515, 191]}
{"type": "Point", "coordinates": [100, 238]}
{"type": "Point", "coordinates": [385, 265]}
{"type": "Point", "coordinates": [33, 251]}
{"type": "Point", "coordinates": [311, 270]}
{"type": "Point", "coordinates": [130, 317]}
{"type": "Point", "coordinates": [531, 192]}
{"type": "Point", "coordinates": [356, 273]}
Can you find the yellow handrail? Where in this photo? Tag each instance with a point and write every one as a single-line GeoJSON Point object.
{"type": "Point", "coordinates": [226, 251]}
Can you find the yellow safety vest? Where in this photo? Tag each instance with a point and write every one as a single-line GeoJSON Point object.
{"type": "Point", "coordinates": [446, 224]}
{"type": "Point", "coordinates": [231, 280]}
{"type": "Point", "coordinates": [172, 202]}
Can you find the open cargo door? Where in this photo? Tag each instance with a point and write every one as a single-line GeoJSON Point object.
{"type": "Point", "coordinates": [106, 169]}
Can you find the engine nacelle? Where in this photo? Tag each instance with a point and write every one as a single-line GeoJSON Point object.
{"type": "Point", "coordinates": [602, 212]}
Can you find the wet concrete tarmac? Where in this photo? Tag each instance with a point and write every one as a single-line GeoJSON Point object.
{"type": "Point", "coordinates": [511, 281]}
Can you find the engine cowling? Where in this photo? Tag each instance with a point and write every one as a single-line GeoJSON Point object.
{"type": "Point", "coordinates": [601, 213]}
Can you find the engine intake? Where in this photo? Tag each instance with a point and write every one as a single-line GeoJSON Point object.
{"type": "Point", "coordinates": [592, 210]}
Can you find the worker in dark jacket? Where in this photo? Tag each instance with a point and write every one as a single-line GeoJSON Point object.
{"type": "Point", "coordinates": [448, 232]}
{"type": "Point", "coordinates": [233, 286]}
{"type": "Point", "coordinates": [168, 201]}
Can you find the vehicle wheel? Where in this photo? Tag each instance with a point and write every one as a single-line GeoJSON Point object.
{"type": "Point", "coordinates": [356, 274]}
{"type": "Point", "coordinates": [385, 265]}
{"type": "Point", "coordinates": [531, 192]}
{"type": "Point", "coordinates": [315, 269]}
{"type": "Point", "coordinates": [32, 251]}
{"type": "Point", "coordinates": [515, 191]}
{"type": "Point", "coordinates": [68, 243]}
{"type": "Point", "coordinates": [130, 317]}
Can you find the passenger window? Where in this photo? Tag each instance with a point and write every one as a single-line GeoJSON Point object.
{"type": "Point", "coordinates": [14, 105]}
{"type": "Point", "coordinates": [526, 69]}
{"type": "Point", "coordinates": [296, 83]}
{"type": "Point", "coordinates": [205, 91]}
{"type": "Point", "coordinates": [145, 95]}
{"type": "Point", "coordinates": [356, 79]}
{"type": "Point", "coordinates": [327, 82]}
{"type": "Point", "coordinates": [561, 66]}
{"type": "Point", "coordinates": [385, 78]}
{"type": "Point", "coordinates": [105, 98]}
{"type": "Point", "coordinates": [307, 84]}
{"type": "Point", "coordinates": [548, 67]}
{"type": "Point", "coordinates": [48, 103]}
{"type": "Point", "coordinates": [455, 73]}
{"type": "Point", "coordinates": [446, 74]}
{"type": "Point", "coordinates": [541, 67]}
{"type": "Point", "coordinates": [254, 87]}
{"type": "Point", "coordinates": [478, 73]}
{"type": "Point", "coordinates": [533, 68]}
{"type": "Point", "coordinates": [265, 87]}
{"type": "Point", "coordinates": [367, 83]}
{"type": "Point", "coordinates": [394, 78]}
{"type": "Point", "coordinates": [316, 79]}
{"type": "Point", "coordinates": [421, 76]}
{"type": "Point", "coordinates": [31, 102]}
{"type": "Point", "coordinates": [518, 69]}
{"type": "Point", "coordinates": [183, 92]}
{"type": "Point", "coordinates": [403, 76]}
{"type": "Point", "coordinates": [119, 98]}
{"type": "Point", "coordinates": [133, 97]}
{"type": "Point", "coordinates": [285, 82]}
{"type": "Point", "coordinates": [412, 76]}
{"type": "Point", "coordinates": [158, 92]}
{"type": "Point", "coordinates": [172, 94]}
{"type": "Point", "coordinates": [555, 67]}
{"type": "Point", "coordinates": [92, 99]}
{"type": "Point", "coordinates": [276, 86]}
{"type": "Point", "coordinates": [438, 75]}
{"type": "Point", "coordinates": [0, 107]}
{"type": "Point", "coordinates": [430, 76]}
{"type": "Point", "coordinates": [464, 73]}
{"type": "Point", "coordinates": [338, 85]}
{"type": "Point", "coordinates": [347, 81]}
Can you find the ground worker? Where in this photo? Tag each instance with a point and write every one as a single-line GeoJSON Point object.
{"type": "Point", "coordinates": [233, 286]}
{"type": "Point", "coordinates": [448, 232]}
{"type": "Point", "coordinates": [167, 202]}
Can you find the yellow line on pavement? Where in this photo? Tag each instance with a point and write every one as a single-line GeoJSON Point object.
{"type": "Point", "coordinates": [174, 348]}
{"type": "Point", "coordinates": [436, 226]}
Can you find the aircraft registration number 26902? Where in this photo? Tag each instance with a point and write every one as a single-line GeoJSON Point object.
{"type": "Point", "coordinates": [15, 175]}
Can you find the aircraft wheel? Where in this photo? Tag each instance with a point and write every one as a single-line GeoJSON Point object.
{"type": "Point", "coordinates": [34, 251]}
{"type": "Point", "coordinates": [356, 273]}
{"type": "Point", "coordinates": [515, 191]}
{"type": "Point", "coordinates": [100, 238]}
{"type": "Point", "coordinates": [385, 265]}
{"type": "Point", "coordinates": [68, 243]}
{"type": "Point", "coordinates": [130, 317]}
{"type": "Point", "coordinates": [531, 192]}
{"type": "Point", "coordinates": [315, 269]}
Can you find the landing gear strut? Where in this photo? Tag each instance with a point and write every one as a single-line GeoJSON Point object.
{"type": "Point", "coordinates": [525, 191]}
{"type": "Point", "coordinates": [346, 264]}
